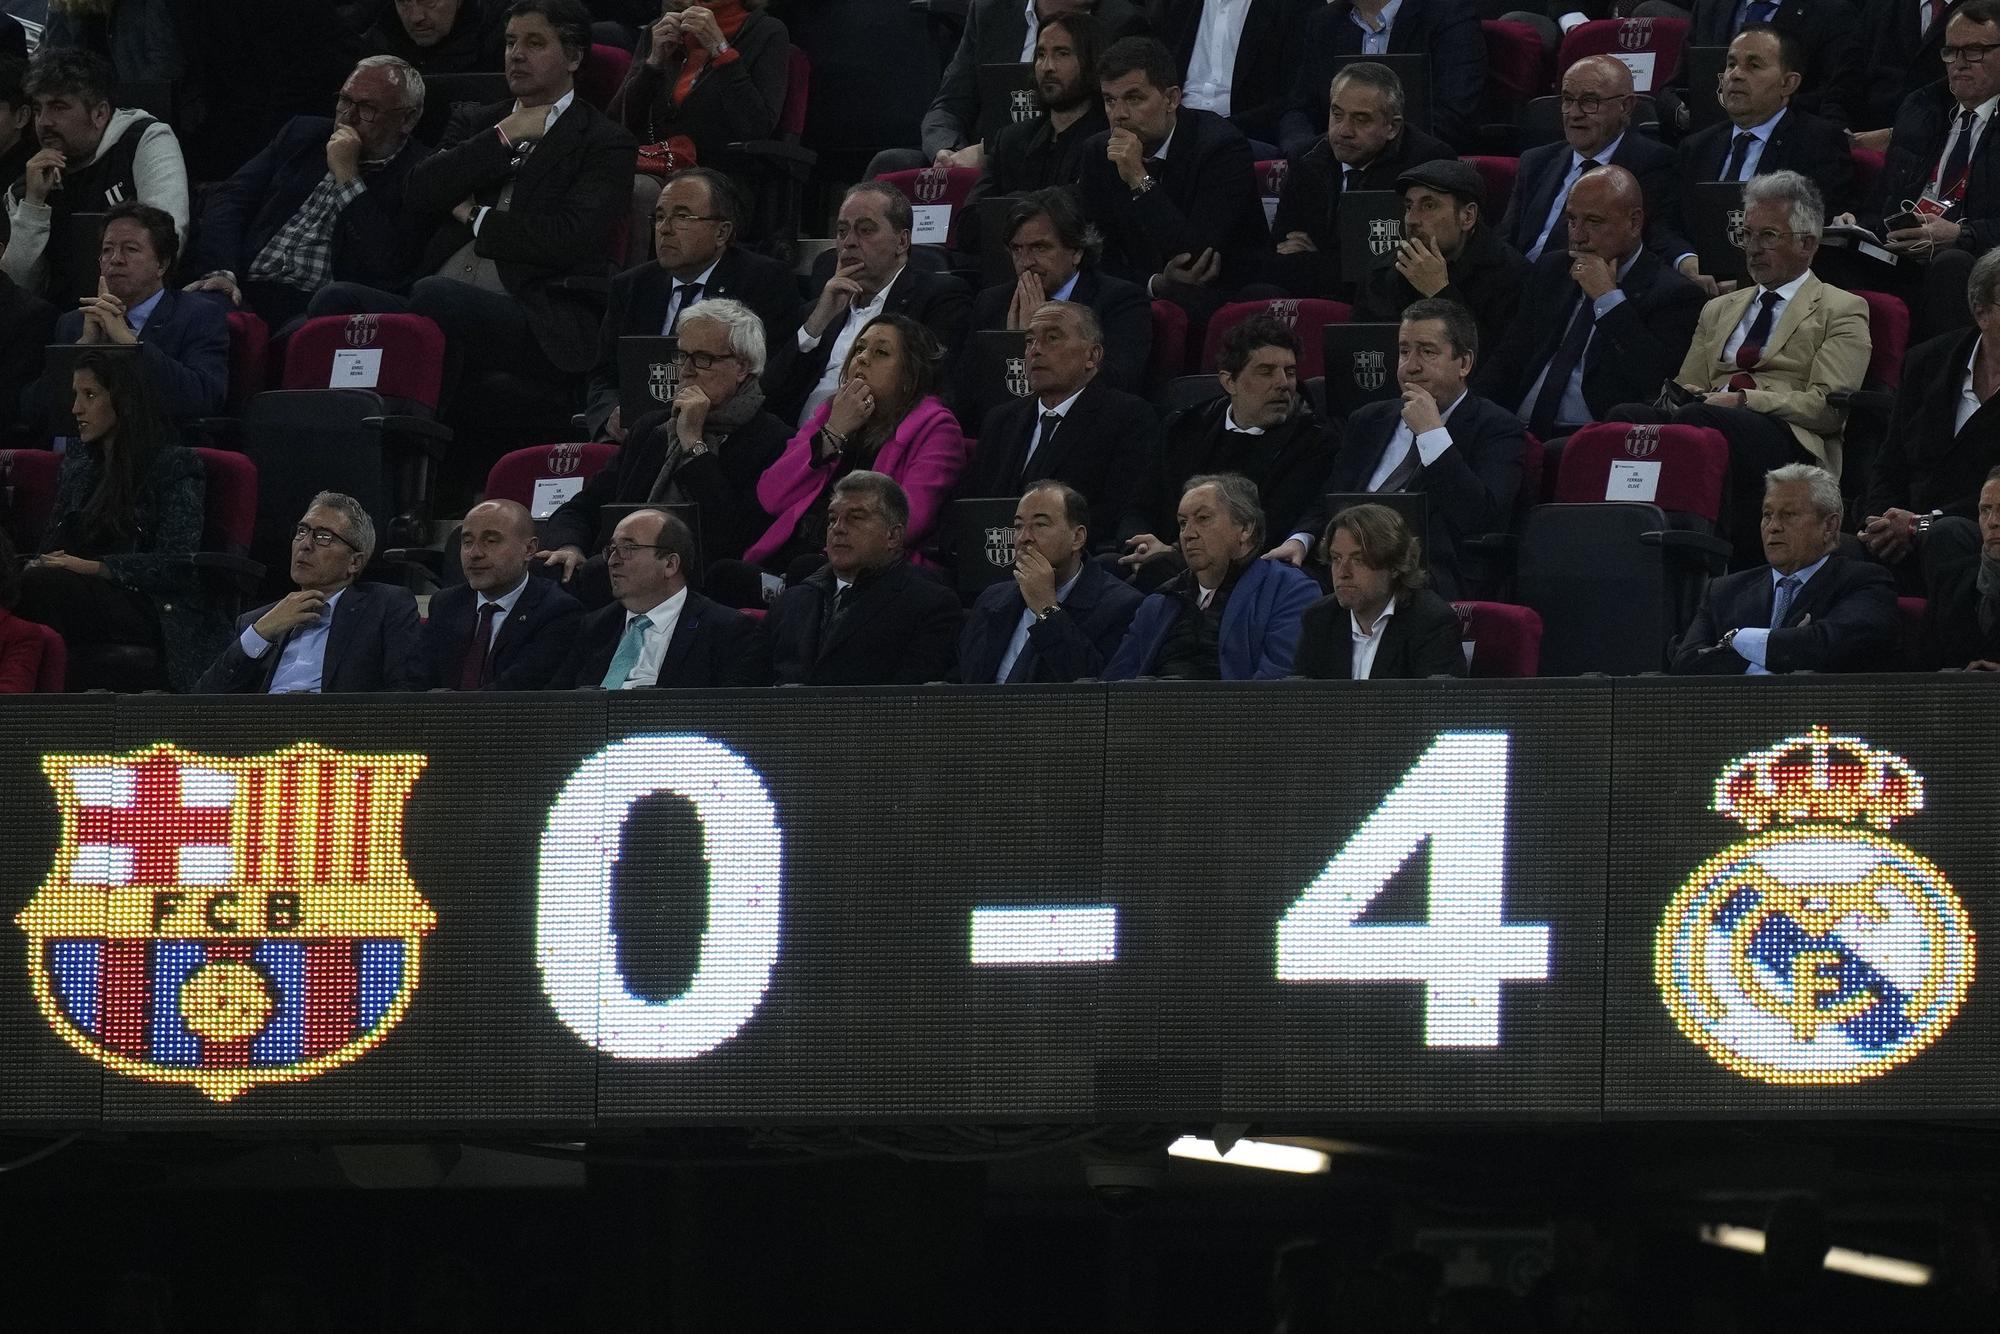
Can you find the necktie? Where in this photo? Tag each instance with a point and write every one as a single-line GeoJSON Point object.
{"type": "Point", "coordinates": [836, 607]}
{"type": "Point", "coordinates": [1781, 602]}
{"type": "Point", "coordinates": [1751, 350]}
{"type": "Point", "coordinates": [1050, 421]}
{"type": "Point", "coordinates": [1961, 157]}
{"type": "Point", "coordinates": [686, 294]}
{"type": "Point", "coordinates": [629, 648]}
{"type": "Point", "coordinates": [1555, 214]}
{"type": "Point", "coordinates": [1569, 354]}
{"type": "Point", "coordinates": [472, 667]}
{"type": "Point", "coordinates": [1932, 9]}
{"type": "Point", "coordinates": [1760, 11]}
{"type": "Point", "coordinates": [1739, 156]}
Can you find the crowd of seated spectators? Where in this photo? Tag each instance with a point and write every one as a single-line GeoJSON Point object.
{"type": "Point", "coordinates": [1166, 186]}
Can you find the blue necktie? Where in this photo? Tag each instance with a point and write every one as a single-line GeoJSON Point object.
{"type": "Point", "coordinates": [1760, 11]}
{"type": "Point", "coordinates": [1781, 604]}
{"type": "Point", "coordinates": [1542, 417]}
{"type": "Point", "coordinates": [629, 649]}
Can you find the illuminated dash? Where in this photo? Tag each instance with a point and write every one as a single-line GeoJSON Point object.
{"type": "Point", "coordinates": [1017, 937]}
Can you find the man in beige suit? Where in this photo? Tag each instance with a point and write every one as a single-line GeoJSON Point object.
{"type": "Point", "coordinates": [1765, 357]}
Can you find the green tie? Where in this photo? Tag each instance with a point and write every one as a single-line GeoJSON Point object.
{"type": "Point", "coordinates": [629, 649]}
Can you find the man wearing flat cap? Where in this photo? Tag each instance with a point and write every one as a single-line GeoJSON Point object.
{"type": "Point", "coordinates": [1447, 251]}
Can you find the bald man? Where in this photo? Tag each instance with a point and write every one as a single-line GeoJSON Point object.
{"type": "Point", "coordinates": [500, 629]}
{"type": "Point", "coordinates": [1597, 105]}
{"type": "Point", "coordinates": [1603, 319]}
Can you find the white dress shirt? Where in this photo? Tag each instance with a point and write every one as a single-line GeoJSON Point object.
{"type": "Point", "coordinates": [1969, 401]}
{"type": "Point", "coordinates": [1034, 31]}
{"type": "Point", "coordinates": [675, 308]}
{"type": "Point", "coordinates": [1752, 641]}
{"type": "Point", "coordinates": [1982, 116]}
{"type": "Point", "coordinates": [1061, 411]}
{"type": "Point", "coordinates": [1229, 423]}
{"type": "Point", "coordinates": [508, 601]}
{"type": "Point", "coordinates": [1742, 330]}
{"type": "Point", "coordinates": [1431, 446]}
{"type": "Point", "coordinates": [560, 105]}
{"type": "Point", "coordinates": [1212, 66]}
{"type": "Point", "coordinates": [843, 339]}
{"type": "Point", "coordinates": [1368, 642]}
{"type": "Point", "coordinates": [1602, 157]}
{"type": "Point", "coordinates": [659, 634]}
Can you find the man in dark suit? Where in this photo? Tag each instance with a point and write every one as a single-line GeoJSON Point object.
{"type": "Point", "coordinates": [1367, 146]}
{"type": "Point", "coordinates": [1961, 569]}
{"type": "Point", "coordinates": [331, 635]}
{"type": "Point", "coordinates": [183, 341]}
{"type": "Point", "coordinates": [866, 617]}
{"type": "Point", "coordinates": [1597, 120]}
{"type": "Point", "coordinates": [1380, 623]}
{"type": "Point", "coordinates": [1063, 615]}
{"type": "Point", "coordinates": [523, 196]}
{"type": "Point", "coordinates": [1828, 32]}
{"type": "Point", "coordinates": [1051, 246]}
{"type": "Point", "coordinates": [867, 273]}
{"type": "Point", "coordinates": [1445, 30]}
{"type": "Point", "coordinates": [1764, 132]}
{"type": "Point", "coordinates": [1262, 428]}
{"type": "Point", "coordinates": [322, 203]}
{"type": "Point", "coordinates": [696, 259]}
{"type": "Point", "coordinates": [1047, 150]}
{"type": "Point", "coordinates": [1447, 251]}
{"type": "Point", "coordinates": [1172, 189]}
{"type": "Point", "coordinates": [658, 631]}
{"type": "Point", "coordinates": [1227, 616]}
{"type": "Point", "coordinates": [1809, 610]}
{"type": "Point", "coordinates": [1239, 58]}
{"type": "Point", "coordinates": [500, 629]}
{"type": "Point", "coordinates": [1605, 323]}
{"type": "Point", "coordinates": [1072, 428]}
{"type": "Point", "coordinates": [1461, 451]}
{"type": "Point", "coordinates": [997, 33]}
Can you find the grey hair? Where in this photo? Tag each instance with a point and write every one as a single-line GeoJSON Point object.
{"type": "Point", "coordinates": [1983, 288]}
{"type": "Point", "coordinates": [401, 73]}
{"type": "Point", "coordinates": [1820, 484]}
{"type": "Point", "coordinates": [1807, 206]}
{"type": "Point", "coordinates": [1379, 77]}
{"type": "Point", "coordinates": [745, 330]}
{"type": "Point", "coordinates": [1238, 493]}
{"type": "Point", "coordinates": [359, 526]}
{"type": "Point", "coordinates": [889, 497]}
{"type": "Point", "coordinates": [1088, 327]}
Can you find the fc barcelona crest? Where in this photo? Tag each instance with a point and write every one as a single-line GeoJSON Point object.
{"type": "Point", "coordinates": [660, 381]}
{"type": "Point", "coordinates": [931, 184]}
{"type": "Point", "coordinates": [1737, 231]}
{"type": "Point", "coordinates": [1635, 34]}
{"type": "Point", "coordinates": [362, 330]}
{"type": "Point", "coordinates": [1382, 235]}
{"type": "Point", "coordinates": [1021, 105]}
{"type": "Point", "coordinates": [1000, 548]}
{"type": "Point", "coordinates": [1371, 369]}
{"type": "Point", "coordinates": [1017, 376]}
{"type": "Point", "coordinates": [1642, 441]}
{"type": "Point", "coordinates": [225, 923]}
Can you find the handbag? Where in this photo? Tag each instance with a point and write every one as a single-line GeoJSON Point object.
{"type": "Point", "coordinates": [666, 157]}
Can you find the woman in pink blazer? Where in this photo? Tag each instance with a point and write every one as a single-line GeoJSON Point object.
{"type": "Point", "coordinates": [884, 417]}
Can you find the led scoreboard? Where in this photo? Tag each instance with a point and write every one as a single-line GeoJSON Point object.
{"type": "Point", "coordinates": [1295, 903]}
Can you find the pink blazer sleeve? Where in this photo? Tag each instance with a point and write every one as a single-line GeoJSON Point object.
{"type": "Point", "coordinates": [926, 456]}
{"type": "Point", "coordinates": [788, 486]}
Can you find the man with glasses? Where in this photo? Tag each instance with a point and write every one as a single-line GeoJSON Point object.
{"type": "Point", "coordinates": [1597, 132]}
{"type": "Point", "coordinates": [321, 204]}
{"type": "Point", "coordinates": [696, 259]}
{"type": "Point", "coordinates": [333, 634]}
{"type": "Point", "coordinates": [659, 632]}
{"type": "Point", "coordinates": [1766, 357]}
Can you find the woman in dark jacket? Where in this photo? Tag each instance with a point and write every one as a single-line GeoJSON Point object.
{"type": "Point", "coordinates": [714, 71]}
{"type": "Point", "coordinates": [127, 514]}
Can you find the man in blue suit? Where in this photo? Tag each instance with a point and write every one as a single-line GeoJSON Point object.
{"type": "Point", "coordinates": [1230, 616]}
{"type": "Point", "coordinates": [183, 342]}
{"type": "Point", "coordinates": [322, 203]}
{"type": "Point", "coordinates": [1063, 616]}
{"type": "Point", "coordinates": [500, 629]}
{"type": "Point", "coordinates": [331, 635]}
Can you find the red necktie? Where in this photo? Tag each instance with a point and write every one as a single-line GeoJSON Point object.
{"type": "Point", "coordinates": [472, 667]}
{"type": "Point", "coordinates": [1752, 349]}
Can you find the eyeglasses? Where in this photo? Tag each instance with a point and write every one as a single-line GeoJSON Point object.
{"type": "Point", "coordinates": [1590, 104]}
{"type": "Point", "coordinates": [1970, 54]}
{"type": "Point", "coordinates": [368, 112]}
{"type": "Point", "coordinates": [680, 218]}
{"type": "Point", "coordinates": [324, 537]}
{"type": "Point", "coordinates": [627, 550]}
{"type": "Point", "coordinates": [1763, 240]}
{"type": "Point", "coordinates": [701, 361]}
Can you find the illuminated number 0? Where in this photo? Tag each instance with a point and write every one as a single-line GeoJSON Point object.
{"type": "Point", "coordinates": [1455, 795]}
{"type": "Point", "coordinates": [743, 849]}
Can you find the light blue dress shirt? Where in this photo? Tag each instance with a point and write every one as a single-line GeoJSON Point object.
{"type": "Point", "coordinates": [1602, 158]}
{"type": "Point", "coordinates": [1752, 641]}
{"type": "Point", "coordinates": [1375, 43]}
{"type": "Point", "coordinates": [302, 662]}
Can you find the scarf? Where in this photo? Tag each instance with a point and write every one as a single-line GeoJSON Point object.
{"type": "Point", "coordinates": [729, 17]}
{"type": "Point", "coordinates": [716, 429]}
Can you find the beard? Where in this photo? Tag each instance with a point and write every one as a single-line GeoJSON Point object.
{"type": "Point", "coordinates": [1068, 97]}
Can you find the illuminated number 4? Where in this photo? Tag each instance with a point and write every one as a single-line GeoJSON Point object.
{"type": "Point", "coordinates": [1455, 796]}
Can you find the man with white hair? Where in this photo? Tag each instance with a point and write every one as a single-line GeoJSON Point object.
{"type": "Point", "coordinates": [320, 204]}
{"type": "Point", "coordinates": [1810, 609]}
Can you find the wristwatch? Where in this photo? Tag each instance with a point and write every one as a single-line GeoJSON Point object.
{"type": "Point", "coordinates": [1923, 522]}
{"type": "Point", "coordinates": [1143, 186]}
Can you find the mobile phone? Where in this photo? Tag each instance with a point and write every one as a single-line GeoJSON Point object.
{"type": "Point", "coordinates": [1904, 220]}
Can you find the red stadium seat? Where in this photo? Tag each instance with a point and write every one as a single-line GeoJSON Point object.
{"type": "Point", "coordinates": [950, 186]}
{"type": "Point", "coordinates": [249, 359]}
{"type": "Point", "coordinates": [601, 73]}
{"type": "Point", "coordinates": [1662, 39]}
{"type": "Point", "coordinates": [1889, 334]}
{"type": "Point", "coordinates": [1506, 640]}
{"type": "Point", "coordinates": [772, 173]}
{"type": "Point", "coordinates": [1170, 336]}
{"type": "Point", "coordinates": [1694, 461]}
{"type": "Point", "coordinates": [52, 677]}
{"type": "Point", "coordinates": [229, 500]}
{"type": "Point", "coordinates": [1497, 175]}
{"type": "Point", "coordinates": [1868, 164]}
{"type": "Point", "coordinates": [1308, 318]}
{"type": "Point", "coordinates": [29, 479]}
{"type": "Point", "coordinates": [514, 474]}
{"type": "Point", "coordinates": [412, 355]}
{"type": "Point", "coordinates": [1517, 66]}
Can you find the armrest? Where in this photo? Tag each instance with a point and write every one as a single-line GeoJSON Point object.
{"type": "Point", "coordinates": [1871, 400]}
{"type": "Point", "coordinates": [589, 284]}
{"type": "Point", "coordinates": [429, 559]}
{"type": "Point", "coordinates": [1493, 544]}
{"type": "Point", "coordinates": [240, 571]}
{"type": "Point", "coordinates": [217, 432]}
{"type": "Point", "coordinates": [1692, 548]}
{"type": "Point", "coordinates": [433, 437]}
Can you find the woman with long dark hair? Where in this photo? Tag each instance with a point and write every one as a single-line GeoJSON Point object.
{"type": "Point", "coordinates": [113, 568]}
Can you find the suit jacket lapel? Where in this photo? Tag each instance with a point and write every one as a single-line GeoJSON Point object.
{"type": "Point", "coordinates": [649, 300]}
{"type": "Point", "coordinates": [511, 629]}
{"type": "Point", "coordinates": [686, 627]}
{"type": "Point", "coordinates": [1803, 303]}
{"type": "Point", "coordinates": [866, 607]}
{"type": "Point", "coordinates": [1076, 425]}
{"type": "Point", "coordinates": [553, 150]}
{"type": "Point", "coordinates": [337, 636]}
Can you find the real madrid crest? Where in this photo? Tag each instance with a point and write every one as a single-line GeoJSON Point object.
{"type": "Point", "coordinates": [1817, 951]}
{"type": "Point", "coordinates": [227, 922]}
